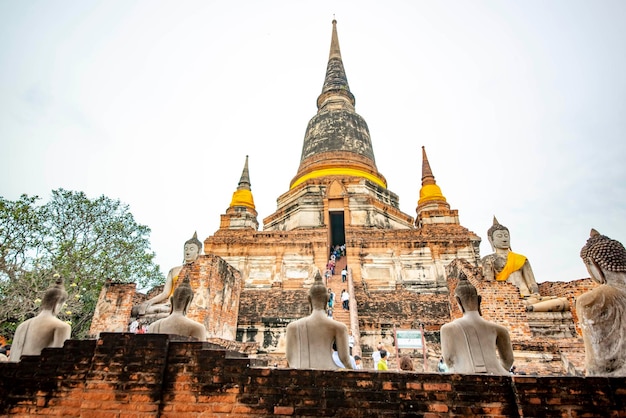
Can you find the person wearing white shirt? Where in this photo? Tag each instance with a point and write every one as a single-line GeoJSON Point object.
{"type": "Point", "coordinates": [376, 355]}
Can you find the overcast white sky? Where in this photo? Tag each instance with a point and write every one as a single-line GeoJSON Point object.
{"type": "Point", "coordinates": [521, 107]}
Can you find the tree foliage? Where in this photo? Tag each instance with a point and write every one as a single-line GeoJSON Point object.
{"type": "Point", "coordinates": [85, 241]}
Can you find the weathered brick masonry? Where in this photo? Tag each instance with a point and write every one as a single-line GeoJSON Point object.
{"type": "Point", "coordinates": [134, 375]}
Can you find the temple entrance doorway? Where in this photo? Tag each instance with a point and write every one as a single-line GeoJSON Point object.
{"type": "Point", "coordinates": [337, 229]}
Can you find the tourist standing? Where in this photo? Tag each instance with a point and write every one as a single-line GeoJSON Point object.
{"type": "Point", "coordinates": [345, 299]}
{"type": "Point", "coordinates": [376, 355]}
{"type": "Point", "coordinates": [442, 366]}
{"type": "Point", "coordinates": [406, 364]}
{"type": "Point", "coordinates": [382, 364]}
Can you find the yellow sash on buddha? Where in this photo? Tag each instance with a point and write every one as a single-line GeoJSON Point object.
{"type": "Point", "coordinates": [174, 279]}
{"type": "Point", "coordinates": [514, 262]}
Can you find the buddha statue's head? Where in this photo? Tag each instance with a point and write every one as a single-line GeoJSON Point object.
{"type": "Point", "coordinates": [499, 236]}
{"type": "Point", "coordinates": [603, 256]}
{"type": "Point", "coordinates": [318, 294]}
{"type": "Point", "coordinates": [55, 296]}
{"type": "Point", "coordinates": [466, 295]}
{"type": "Point", "coordinates": [193, 248]}
{"type": "Point", "coordinates": [182, 296]}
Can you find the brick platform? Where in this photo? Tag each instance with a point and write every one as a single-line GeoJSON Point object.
{"type": "Point", "coordinates": [134, 375]}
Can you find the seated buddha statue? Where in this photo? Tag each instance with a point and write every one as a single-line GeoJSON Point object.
{"type": "Point", "coordinates": [506, 266]}
{"type": "Point", "coordinates": [471, 344]}
{"type": "Point", "coordinates": [159, 306]}
{"type": "Point", "coordinates": [310, 339]}
{"type": "Point", "coordinates": [602, 311]}
{"type": "Point", "coordinates": [44, 330]}
{"type": "Point", "coordinates": [177, 323]}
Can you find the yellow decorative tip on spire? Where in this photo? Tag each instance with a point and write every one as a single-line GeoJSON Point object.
{"type": "Point", "coordinates": [243, 194]}
{"type": "Point", "coordinates": [429, 192]}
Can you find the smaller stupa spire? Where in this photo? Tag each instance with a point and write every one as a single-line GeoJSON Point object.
{"type": "Point", "coordinates": [244, 181]}
{"type": "Point", "coordinates": [432, 207]}
{"type": "Point", "coordinates": [243, 194]}
{"type": "Point", "coordinates": [429, 192]}
{"type": "Point", "coordinates": [427, 172]}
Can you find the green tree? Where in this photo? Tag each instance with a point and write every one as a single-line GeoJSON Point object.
{"type": "Point", "coordinates": [85, 241]}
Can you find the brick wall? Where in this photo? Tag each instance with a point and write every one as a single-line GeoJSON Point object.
{"type": "Point", "coordinates": [129, 375]}
{"type": "Point", "coordinates": [112, 313]}
{"type": "Point", "coordinates": [570, 290]}
{"type": "Point", "coordinates": [273, 303]}
{"type": "Point", "coordinates": [501, 302]}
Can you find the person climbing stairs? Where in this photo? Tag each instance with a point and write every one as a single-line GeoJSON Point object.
{"type": "Point", "coordinates": [335, 283]}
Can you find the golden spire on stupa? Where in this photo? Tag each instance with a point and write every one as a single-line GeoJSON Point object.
{"type": "Point", "coordinates": [243, 195]}
{"type": "Point", "coordinates": [429, 192]}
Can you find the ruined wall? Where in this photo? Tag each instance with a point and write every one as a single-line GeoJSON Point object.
{"type": "Point", "coordinates": [414, 259]}
{"type": "Point", "coordinates": [381, 311]}
{"type": "Point", "coordinates": [501, 302]}
{"type": "Point", "coordinates": [112, 313]}
{"type": "Point", "coordinates": [264, 315]}
{"type": "Point", "coordinates": [216, 285]}
{"type": "Point", "coordinates": [128, 375]}
{"type": "Point", "coordinates": [285, 259]}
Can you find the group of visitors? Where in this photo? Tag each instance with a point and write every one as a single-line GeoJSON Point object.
{"type": "Point", "coordinates": [137, 327]}
{"type": "Point", "coordinates": [336, 252]}
{"type": "Point", "coordinates": [380, 356]}
{"type": "Point", "coordinates": [345, 301]}
{"type": "Point", "coordinates": [355, 360]}
{"type": "Point", "coordinates": [330, 269]}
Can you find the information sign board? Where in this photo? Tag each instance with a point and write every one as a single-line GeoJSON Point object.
{"type": "Point", "coordinates": [409, 338]}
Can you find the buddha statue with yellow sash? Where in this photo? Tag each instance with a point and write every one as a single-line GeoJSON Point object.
{"type": "Point", "coordinates": [159, 306]}
{"type": "Point", "coordinates": [506, 266]}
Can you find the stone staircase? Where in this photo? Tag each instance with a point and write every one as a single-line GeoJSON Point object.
{"type": "Point", "coordinates": [339, 314]}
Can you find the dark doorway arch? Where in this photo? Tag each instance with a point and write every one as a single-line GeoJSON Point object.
{"type": "Point", "coordinates": [337, 228]}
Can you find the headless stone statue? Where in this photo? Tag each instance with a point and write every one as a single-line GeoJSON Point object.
{"type": "Point", "coordinates": [505, 265]}
{"type": "Point", "coordinates": [471, 344]}
{"type": "Point", "coordinates": [310, 339]}
{"type": "Point", "coordinates": [159, 306]}
{"type": "Point", "coordinates": [602, 311]}
{"type": "Point", "coordinates": [177, 323]}
{"type": "Point", "coordinates": [44, 330]}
